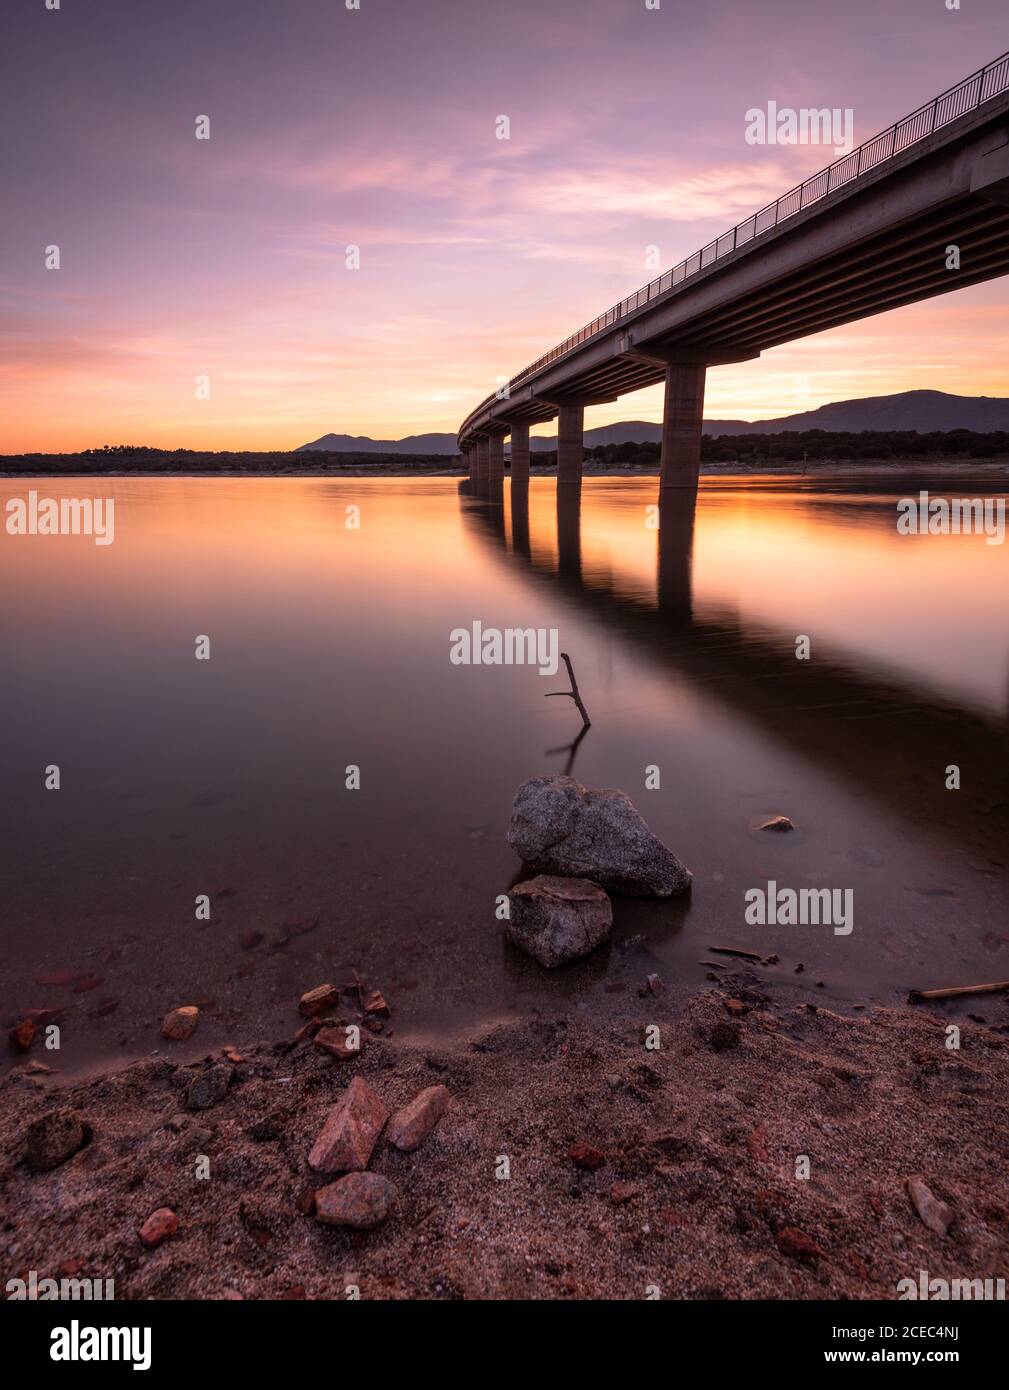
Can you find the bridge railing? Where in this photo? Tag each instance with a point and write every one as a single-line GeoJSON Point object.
{"type": "Point", "coordinates": [988, 82]}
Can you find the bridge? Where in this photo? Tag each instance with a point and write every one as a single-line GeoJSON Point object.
{"type": "Point", "coordinates": [867, 234]}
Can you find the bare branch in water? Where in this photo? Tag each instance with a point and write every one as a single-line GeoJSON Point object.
{"type": "Point", "coordinates": [573, 692]}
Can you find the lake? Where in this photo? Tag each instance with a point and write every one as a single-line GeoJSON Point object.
{"type": "Point", "coordinates": [329, 649]}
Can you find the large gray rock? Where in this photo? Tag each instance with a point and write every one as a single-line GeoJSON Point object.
{"type": "Point", "coordinates": [558, 919]}
{"type": "Point", "coordinates": [559, 827]}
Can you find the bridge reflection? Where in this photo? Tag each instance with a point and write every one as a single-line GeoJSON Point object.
{"type": "Point", "coordinates": [883, 735]}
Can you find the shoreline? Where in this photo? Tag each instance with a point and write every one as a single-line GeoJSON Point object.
{"type": "Point", "coordinates": [630, 1168]}
{"type": "Point", "coordinates": [997, 471]}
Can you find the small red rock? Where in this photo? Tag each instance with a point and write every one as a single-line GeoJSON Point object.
{"type": "Point", "coordinates": [624, 1192]}
{"type": "Point", "coordinates": [180, 1023]}
{"type": "Point", "coordinates": [347, 1139]}
{"type": "Point", "coordinates": [735, 1006]}
{"type": "Point", "coordinates": [250, 940]}
{"type": "Point", "coordinates": [410, 1126]}
{"type": "Point", "coordinates": [337, 1043]}
{"type": "Point", "coordinates": [317, 1000]}
{"type": "Point", "coordinates": [587, 1156]}
{"type": "Point", "coordinates": [792, 1241]}
{"type": "Point", "coordinates": [360, 1200]}
{"type": "Point", "coordinates": [308, 1030]}
{"type": "Point", "coordinates": [375, 1004]}
{"type": "Point", "coordinates": [158, 1227]}
{"type": "Point", "coordinates": [22, 1036]}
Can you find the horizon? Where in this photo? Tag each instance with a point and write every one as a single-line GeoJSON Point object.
{"type": "Point", "coordinates": [226, 259]}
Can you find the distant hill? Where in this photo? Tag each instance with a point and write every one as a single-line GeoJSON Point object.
{"type": "Point", "coordinates": [361, 444]}
{"type": "Point", "coordinates": [907, 410]}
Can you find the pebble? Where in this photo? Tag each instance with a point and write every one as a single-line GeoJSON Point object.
{"type": "Point", "coordinates": [348, 1138]}
{"type": "Point", "coordinates": [778, 824]}
{"type": "Point", "coordinates": [410, 1126]}
{"type": "Point", "coordinates": [53, 1139]}
{"type": "Point", "coordinates": [792, 1241]}
{"type": "Point", "coordinates": [317, 1000]}
{"type": "Point", "coordinates": [180, 1023]}
{"type": "Point", "coordinates": [210, 1087]}
{"type": "Point", "coordinates": [360, 1200]}
{"type": "Point", "coordinates": [936, 1214]}
{"type": "Point", "coordinates": [158, 1227]}
{"type": "Point", "coordinates": [336, 1042]}
{"type": "Point", "coordinates": [22, 1035]}
{"type": "Point", "coordinates": [587, 1156]}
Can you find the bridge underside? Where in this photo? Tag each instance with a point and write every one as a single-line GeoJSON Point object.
{"type": "Point", "coordinates": [900, 266]}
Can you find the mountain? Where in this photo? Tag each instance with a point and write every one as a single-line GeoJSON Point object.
{"type": "Point", "coordinates": [923, 411]}
{"type": "Point", "coordinates": [361, 444]}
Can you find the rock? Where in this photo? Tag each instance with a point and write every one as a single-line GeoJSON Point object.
{"type": "Point", "coordinates": [317, 1000]}
{"type": "Point", "coordinates": [587, 1156]}
{"type": "Point", "coordinates": [250, 940]}
{"type": "Point", "coordinates": [210, 1087]}
{"type": "Point", "coordinates": [622, 1192]}
{"type": "Point", "coordinates": [936, 1214]}
{"type": "Point", "coordinates": [375, 1004]}
{"type": "Point", "coordinates": [180, 1023]}
{"type": "Point", "coordinates": [337, 1043]}
{"type": "Point", "coordinates": [53, 1139]}
{"type": "Point", "coordinates": [558, 919]}
{"type": "Point", "coordinates": [22, 1035]}
{"type": "Point", "coordinates": [559, 827]}
{"type": "Point", "coordinates": [347, 1139]}
{"type": "Point", "coordinates": [780, 825]}
{"type": "Point", "coordinates": [792, 1241]}
{"type": "Point", "coordinates": [410, 1126]}
{"type": "Point", "coordinates": [361, 1200]}
{"type": "Point", "coordinates": [158, 1227]}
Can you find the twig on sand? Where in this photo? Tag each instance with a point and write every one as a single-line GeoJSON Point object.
{"type": "Point", "coordinates": [917, 995]}
{"type": "Point", "coordinates": [573, 692]}
{"type": "Point", "coordinates": [732, 951]}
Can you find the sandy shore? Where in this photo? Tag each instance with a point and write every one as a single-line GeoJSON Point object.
{"type": "Point", "coordinates": [686, 1180]}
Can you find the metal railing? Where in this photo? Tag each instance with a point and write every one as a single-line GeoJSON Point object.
{"type": "Point", "coordinates": [981, 86]}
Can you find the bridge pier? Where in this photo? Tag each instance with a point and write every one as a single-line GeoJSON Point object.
{"type": "Point", "coordinates": [482, 459]}
{"type": "Point", "coordinates": [520, 454]}
{"type": "Point", "coordinates": [495, 460]}
{"type": "Point", "coordinates": [682, 416]}
{"type": "Point", "coordinates": [570, 446]}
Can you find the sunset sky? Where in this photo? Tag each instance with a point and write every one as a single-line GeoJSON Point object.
{"type": "Point", "coordinates": [376, 127]}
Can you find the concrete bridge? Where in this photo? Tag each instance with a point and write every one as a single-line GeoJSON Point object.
{"type": "Point", "coordinates": [867, 234]}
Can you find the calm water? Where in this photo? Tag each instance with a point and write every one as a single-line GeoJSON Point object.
{"type": "Point", "coordinates": [330, 647]}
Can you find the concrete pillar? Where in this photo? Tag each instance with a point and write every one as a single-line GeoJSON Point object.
{"type": "Point", "coordinates": [495, 460]}
{"type": "Point", "coordinates": [520, 453]}
{"type": "Point", "coordinates": [468, 454]}
{"type": "Point", "coordinates": [481, 461]}
{"type": "Point", "coordinates": [570, 449]}
{"type": "Point", "coordinates": [681, 424]}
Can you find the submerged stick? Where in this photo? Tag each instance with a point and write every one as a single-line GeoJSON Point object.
{"type": "Point", "coordinates": [917, 995]}
{"type": "Point", "coordinates": [573, 692]}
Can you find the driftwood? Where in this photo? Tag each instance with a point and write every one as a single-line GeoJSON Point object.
{"type": "Point", "coordinates": [731, 951]}
{"type": "Point", "coordinates": [573, 692]}
{"type": "Point", "coordinates": [918, 995]}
